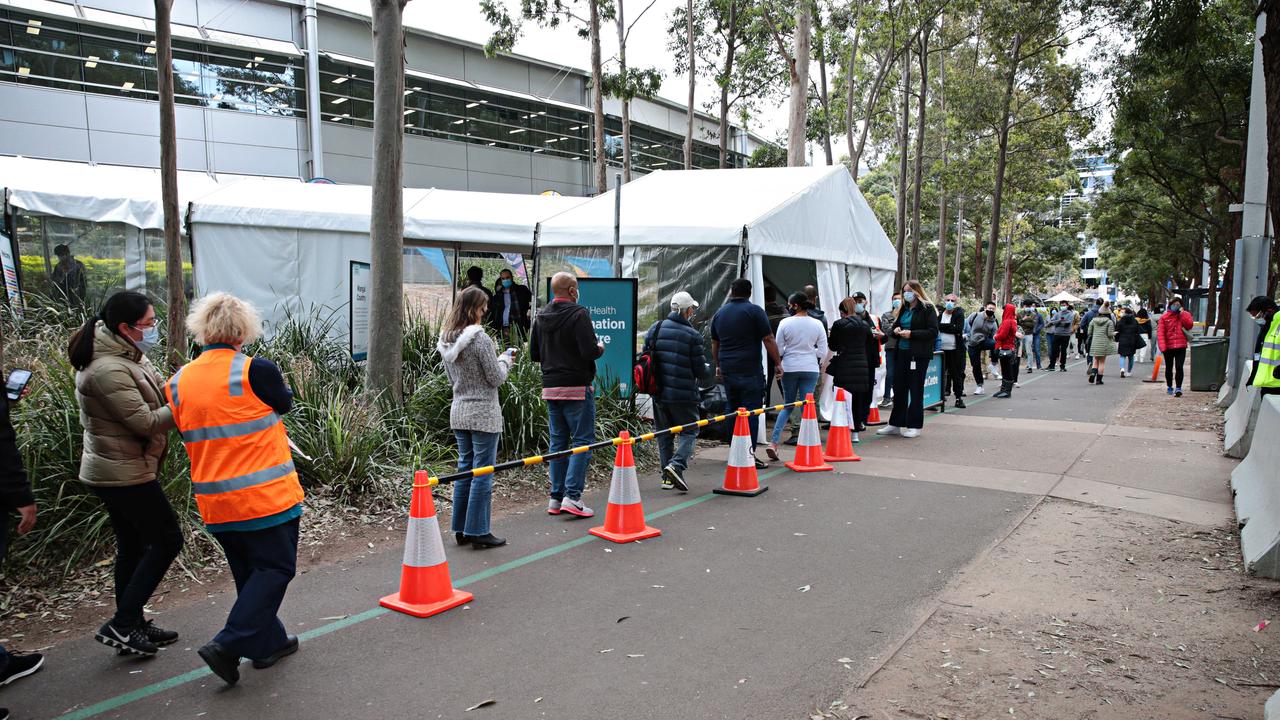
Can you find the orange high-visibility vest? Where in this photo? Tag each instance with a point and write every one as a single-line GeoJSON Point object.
{"type": "Point", "coordinates": [241, 465]}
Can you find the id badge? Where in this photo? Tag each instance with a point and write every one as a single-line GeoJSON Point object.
{"type": "Point", "coordinates": [913, 364]}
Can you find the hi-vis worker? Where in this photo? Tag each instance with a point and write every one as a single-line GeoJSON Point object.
{"type": "Point", "coordinates": [227, 407]}
{"type": "Point", "coordinates": [1266, 358]}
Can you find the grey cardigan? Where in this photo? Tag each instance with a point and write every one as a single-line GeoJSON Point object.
{"type": "Point", "coordinates": [476, 372]}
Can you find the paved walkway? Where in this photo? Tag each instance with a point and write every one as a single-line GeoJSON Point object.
{"type": "Point", "coordinates": [743, 608]}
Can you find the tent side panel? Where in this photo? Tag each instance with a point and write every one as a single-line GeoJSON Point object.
{"type": "Point", "coordinates": [257, 264]}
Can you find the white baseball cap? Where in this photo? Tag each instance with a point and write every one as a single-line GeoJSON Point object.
{"type": "Point", "coordinates": [682, 301]}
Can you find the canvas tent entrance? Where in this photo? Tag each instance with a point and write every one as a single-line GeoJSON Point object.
{"type": "Point", "coordinates": [290, 252]}
{"type": "Point", "coordinates": [109, 216]}
{"type": "Point", "coordinates": [697, 230]}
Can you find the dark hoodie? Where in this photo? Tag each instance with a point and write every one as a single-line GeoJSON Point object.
{"type": "Point", "coordinates": [564, 343]}
{"type": "Point", "coordinates": [1006, 336]}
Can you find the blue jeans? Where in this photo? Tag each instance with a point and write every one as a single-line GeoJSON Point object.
{"type": "Point", "coordinates": [472, 497]}
{"type": "Point", "coordinates": [795, 385]}
{"type": "Point", "coordinates": [888, 372]}
{"type": "Point", "coordinates": [676, 450]}
{"type": "Point", "coordinates": [747, 392]}
{"type": "Point", "coordinates": [262, 563]}
{"type": "Point", "coordinates": [571, 421]}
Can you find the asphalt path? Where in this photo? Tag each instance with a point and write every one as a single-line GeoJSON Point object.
{"type": "Point", "coordinates": [762, 607]}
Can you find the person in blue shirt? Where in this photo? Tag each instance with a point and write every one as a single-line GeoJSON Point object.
{"type": "Point", "coordinates": [738, 331]}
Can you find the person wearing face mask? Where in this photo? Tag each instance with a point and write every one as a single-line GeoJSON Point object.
{"type": "Point", "coordinates": [852, 346]}
{"type": "Point", "coordinates": [1061, 326]}
{"type": "Point", "coordinates": [982, 334]}
{"type": "Point", "coordinates": [916, 327]}
{"type": "Point", "coordinates": [951, 333]}
{"type": "Point", "coordinates": [863, 311]}
{"type": "Point", "coordinates": [1102, 342]}
{"type": "Point", "coordinates": [678, 352]}
{"type": "Point", "coordinates": [1266, 352]}
{"type": "Point", "coordinates": [126, 421]}
{"type": "Point", "coordinates": [1172, 332]}
{"type": "Point", "coordinates": [509, 308]}
{"type": "Point", "coordinates": [890, 347]}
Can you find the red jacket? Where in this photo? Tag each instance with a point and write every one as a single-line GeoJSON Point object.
{"type": "Point", "coordinates": [1169, 330]}
{"type": "Point", "coordinates": [1007, 335]}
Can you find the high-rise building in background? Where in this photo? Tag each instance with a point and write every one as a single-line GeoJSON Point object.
{"type": "Point", "coordinates": [1097, 174]}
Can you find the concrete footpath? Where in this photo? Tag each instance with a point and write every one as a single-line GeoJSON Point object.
{"type": "Point", "coordinates": [744, 608]}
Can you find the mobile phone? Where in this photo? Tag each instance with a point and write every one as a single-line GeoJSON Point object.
{"type": "Point", "coordinates": [16, 383]}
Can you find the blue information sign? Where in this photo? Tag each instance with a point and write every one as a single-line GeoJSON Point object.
{"type": "Point", "coordinates": [612, 304]}
{"type": "Point", "coordinates": [933, 381]}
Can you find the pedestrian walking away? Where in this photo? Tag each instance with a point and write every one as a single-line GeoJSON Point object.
{"type": "Point", "coordinates": [1129, 340]}
{"type": "Point", "coordinates": [890, 347]}
{"type": "Point", "coordinates": [475, 372]}
{"type": "Point", "coordinates": [1102, 342]}
{"type": "Point", "coordinates": [1083, 334]}
{"type": "Point", "coordinates": [228, 408]}
{"type": "Point", "coordinates": [1147, 353]}
{"type": "Point", "coordinates": [15, 495]}
{"type": "Point", "coordinates": [1028, 322]}
{"type": "Point", "coordinates": [678, 353]}
{"type": "Point", "coordinates": [1173, 332]}
{"type": "Point", "coordinates": [802, 343]}
{"type": "Point", "coordinates": [1007, 339]}
{"type": "Point", "coordinates": [1061, 326]}
{"type": "Point", "coordinates": [738, 332]}
{"type": "Point", "coordinates": [126, 424]}
{"type": "Point", "coordinates": [916, 327]}
{"type": "Point", "coordinates": [850, 349]}
{"type": "Point", "coordinates": [951, 335]}
{"type": "Point", "coordinates": [981, 338]}
{"type": "Point", "coordinates": [1266, 351]}
{"type": "Point", "coordinates": [564, 343]}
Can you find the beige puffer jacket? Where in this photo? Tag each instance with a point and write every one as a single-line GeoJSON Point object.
{"type": "Point", "coordinates": [124, 414]}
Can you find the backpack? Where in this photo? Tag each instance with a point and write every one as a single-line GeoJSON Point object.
{"type": "Point", "coordinates": [644, 374]}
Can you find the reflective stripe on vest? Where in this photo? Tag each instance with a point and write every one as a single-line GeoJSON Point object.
{"type": "Point", "coordinates": [1269, 358]}
{"type": "Point", "coordinates": [241, 465]}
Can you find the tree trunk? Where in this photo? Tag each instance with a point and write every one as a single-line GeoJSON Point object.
{"type": "Point", "coordinates": [955, 270]}
{"type": "Point", "coordinates": [386, 237]}
{"type": "Point", "coordinates": [626, 99]}
{"type": "Point", "coordinates": [1002, 161]}
{"type": "Point", "coordinates": [688, 135]}
{"type": "Point", "coordinates": [597, 98]}
{"type": "Point", "coordinates": [903, 138]}
{"type": "Point", "coordinates": [796, 135]}
{"type": "Point", "coordinates": [978, 264]}
{"type": "Point", "coordinates": [176, 294]}
{"type": "Point", "coordinates": [942, 182]}
{"type": "Point", "coordinates": [850, 74]}
{"type": "Point", "coordinates": [921, 103]}
{"type": "Point", "coordinates": [823, 97]}
{"type": "Point", "coordinates": [1006, 289]}
{"type": "Point", "coordinates": [731, 49]}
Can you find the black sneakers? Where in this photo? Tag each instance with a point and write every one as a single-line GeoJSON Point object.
{"type": "Point", "coordinates": [130, 642]}
{"type": "Point", "coordinates": [290, 647]}
{"type": "Point", "coordinates": [488, 540]}
{"type": "Point", "coordinates": [19, 666]}
{"type": "Point", "coordinates": [222, 663]}
{"type": "Point", "coordinates": [676, 477]}
{"type": "Point", "coordinates": [157, 635]}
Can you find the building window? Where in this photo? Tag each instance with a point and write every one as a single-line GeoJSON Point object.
{"type": "Point", "coordinates": [1090, 263]}
{"type": "Point", "coordinates": [52, 52]}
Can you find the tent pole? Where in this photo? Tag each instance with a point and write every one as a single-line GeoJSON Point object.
{"type": "Point", "coordinates": [537, 257]}
{"type": "Point", "coordinates": [742, 247]}
{"type": "Point", "coordinates": [617, 226]}
{"type": "Point", "coordinates": [457, 270]}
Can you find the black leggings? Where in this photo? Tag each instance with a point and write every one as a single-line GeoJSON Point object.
{"type": "Point", "coordinates": [1177, 357]}
{"type": "Point", "coordinates": [1008, 371]}
{"type": "Point", "coordinates": [147, 540]}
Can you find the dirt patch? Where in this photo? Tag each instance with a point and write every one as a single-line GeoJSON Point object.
{"type": "Point", "coordinates": [1088, 612]}
{"type": "Point", "coordinates": [1151, 407]}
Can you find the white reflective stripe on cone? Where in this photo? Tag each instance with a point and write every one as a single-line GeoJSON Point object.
{"type": "Point", "coordinates": [422, 544]}
{"type": "Point", "coordinates": [740, 452]}
{"type": "Point", "coordinates": [840, 414]}
{"type": "Point", "coordinates": [625, 489]}
{"type": "Point", "coordinates": [809, 434]}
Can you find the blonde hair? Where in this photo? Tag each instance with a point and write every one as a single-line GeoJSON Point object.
{"type": "Point", "coordinates": [921, 296]}
{"type": "Point", "coordinates": [224, 318]}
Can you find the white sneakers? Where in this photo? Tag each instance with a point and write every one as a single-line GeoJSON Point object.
{"type": "Point", "coordinates": [911, 433]}
{"type": "Point", "coordinates": [978, 390]}
{"type": "Point", "coordinates": [573, 507]}
{"type": "Point", "coordinates": [995, 371]}
{"type": "Point", "coordinates": [889, 430]}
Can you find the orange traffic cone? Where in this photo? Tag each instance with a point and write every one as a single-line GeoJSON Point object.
{"type": "Point", "coordinates": [740, 476]}
{"type": "Point", "coordinates": [624, 516]}
{"type": "Point", "coordinates": [809, 449]}
{"type": "Point", "coordinates": [873, 418]}
{"type": "Point", "coordinates": [839, 441]}
{"type": "Point", "coordinates": [425, 586]}
{"type": "Point", "coordinates": [1155, 370]}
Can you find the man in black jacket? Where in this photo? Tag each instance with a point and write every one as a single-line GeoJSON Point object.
{"type": "Point", "coordinates": [15, 494]}
{"type": "Point", "coordinates": [681, 361]}
{"type": "Point", "coordinates": [564, 342]}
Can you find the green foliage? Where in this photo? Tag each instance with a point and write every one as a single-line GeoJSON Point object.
{"type": "Point", "coordinates": [768, 155]}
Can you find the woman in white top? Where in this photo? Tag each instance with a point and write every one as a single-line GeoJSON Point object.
{"type": "Point", "coordinates": [802, 343]}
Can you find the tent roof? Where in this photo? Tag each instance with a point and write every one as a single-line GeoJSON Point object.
{"type": "Point", "coordinates": [500, 220]}
{"type": "Point", "coordinates": [1064, 295]}
{"type": "Point", "coordinates": [806, 212]}
{"type": "Point", "coordinates": [105, 193]}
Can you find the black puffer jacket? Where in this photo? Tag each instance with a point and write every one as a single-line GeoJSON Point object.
{"type": "Point", "coordinates": [680, 357]}
{"type": "Point", "coordinates": [1128, 333]}
{"type": "Point", "coordinates": [854, 346]}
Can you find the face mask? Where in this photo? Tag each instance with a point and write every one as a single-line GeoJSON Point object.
{"type": "Point", "coordinates": [896, 303]}
{"type": "Point", "coordinates": [506, 283]}
{"type": "Point", "coordinates": [951, 305]}
{"type": "Point", "coordinates": [859, 308]}
{"type": "Point", "coordinates": [150, 336]}
{"type": "Point", "coordinates": [1261, 320]}
{"type": "Point", "coordinates": [1065, 308]}
{"type": "Point", "coordinates": [1175, 308]}
{"type": "Point", "coordinates": [991, 313]}
{"type": "Point", "coordinates": [909, 296]}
